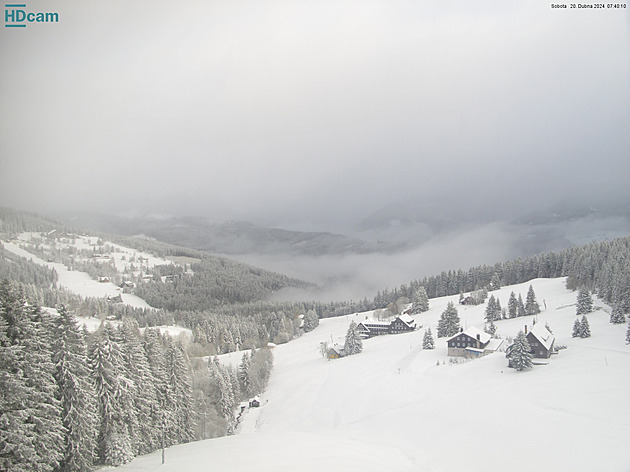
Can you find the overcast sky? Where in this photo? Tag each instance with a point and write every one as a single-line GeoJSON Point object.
{"type": "Point", "coordinates": [310, 113]}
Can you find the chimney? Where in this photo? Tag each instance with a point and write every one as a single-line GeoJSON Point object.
{"type": "Point", "coordinates": [525, 329]}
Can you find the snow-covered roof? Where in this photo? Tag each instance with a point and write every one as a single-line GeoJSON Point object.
{"type": "Point", "coordinates": [375, 322]}
{"type": "Point", "coordinates": [473, 332]}
{"type": "Point", "coordinates": [494, 344]}
{"type": "Point", "coordinates": [407, 319]}
{"type": "Point", "coordinates": [543, 335]}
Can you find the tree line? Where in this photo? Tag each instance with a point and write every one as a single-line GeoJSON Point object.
{"type": "Point", "coordinates": [601, 267]}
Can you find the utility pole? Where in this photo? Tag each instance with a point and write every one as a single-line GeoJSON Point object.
{"type": "Point", "coordinates": [163, 439]}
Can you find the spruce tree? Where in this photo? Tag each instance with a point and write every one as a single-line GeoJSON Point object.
{"type": "Point", "coordinates": [490, 309]}
{"type": "Point", "coordinates": [448, 324]}
{"type": "Point", "coordinates": [427, 340]}
{"type": "Point", "coordinates": [222, 393]}
{"type": "Point", "coordinates": [519, 353]}
{"type": "Point", "coordinates": [584, 302]}
{"type": "Point", "coordinates": [491, 329]}
{"type": "Point", "coordinates": [577, 327]}
{"type": "Point", "coordinates": [617, 316]}
{"type": "Point", "coordinates": [512, 306]}
{"type": "Point", "coordinates": [495, 282]}
{"type": "Point", "coordinates": [354, 342]}
{"type": "Point", "coordinates": [311, 321]}
{"type": "Point", "coordinates": [155, 351]}
{"type": "Point", "coordinates": [531, 305]}
{"type": "Point", "coordinates": [180, 393]}
{"type": "Point", "coordinates": [17, 435]}
{"type": "Point", "coordinates": [31, 428]}
{"type": "Point", "coordinates": [144, 433]}
{"type": "Point", "coordinates": [114, 446]}
{"type": "Point", "coordinates": [420, 300]}
{"type": "Point", "coordinates": [628, 335]}
{"type": "Point", "coordinates": [76, 392]}
{"type": "Point", "coordinates": [585, 330]}
{"type": "Point", "coordinates": [243, 375]}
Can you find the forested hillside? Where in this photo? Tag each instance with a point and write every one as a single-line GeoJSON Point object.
{"type": "Point", "coordinates": [72, 399]}
{"type": "Point", "coordinates": [601, 267]}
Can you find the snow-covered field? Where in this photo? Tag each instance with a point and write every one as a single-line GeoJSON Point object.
{"type": "Point", "coordinates": [393, 408]}
{"type": "Point", "coordinates": [79, 282]}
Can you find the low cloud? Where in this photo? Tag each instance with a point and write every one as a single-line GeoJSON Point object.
{"type": "Point", "coordinates": [355, 276]}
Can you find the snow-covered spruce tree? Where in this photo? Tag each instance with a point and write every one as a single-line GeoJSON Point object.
{"type": "Point", "coordinates": [180, 393]}
{"type": "Point", "coordinates": [512, 306]}
{"type": "Point", "coordinates": [531, 305]}
{"type": "Point", "coordinates": [493, 309]}
{"type": "Point", "coordinates": [223, 393]}
{"type": "Point", "coordinates": [76, 392]}
{"type": "Point", "coordinates": [491, 329]}
{"type": "Point", "coordinates": [243, 375]}
{"type": "Point", "coordinates": [448, 324]}
{"type": "Point", "coordinates": [144, 434]}
{"type": "Point", "coordinates": [617, 316]}
{"type": "Point", "coordinates": [495, 282]}
{"type": "Point", "coordinates": [17, 434]}
{"type": "Point", "coordinates": [577, 326]}
{"type": "Point", "coordinates": [628, 335]}
{"type": "Point", "coordinates": [354, 342]}
{"type": "Point", "coordinates": [427, 340]}
{"type": "Point", "coordinates": [156, 355]}
{"type": "Point", "coordinates": [114, 445]}
{"type": "Point", "coordinates": [584, 302]}
{"type": "Point", "coordinates": [31, 429]}
{"type": "Point", "coordinates": [519, 354]}
{"type": "Point", "coordinates": [311, 321]}
{"type": "Point", "coordinates": [420, 300]}
{"type": "Point", "coordinates": [585, 329]}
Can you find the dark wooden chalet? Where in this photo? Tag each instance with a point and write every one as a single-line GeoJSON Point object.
{"type": "Point", "coordinates": [370, 328]}
{"type": "Point", "coordinates": [254, 402]}
{"type": "Point", "coordinates": [540, 341]}
{"type": "Point", "coordinates": [402, 324]}
{"type": "Point", "coordinates": [472, 343]}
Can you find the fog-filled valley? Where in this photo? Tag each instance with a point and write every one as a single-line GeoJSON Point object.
{"type": "Point", "coordinates": [389, 247]}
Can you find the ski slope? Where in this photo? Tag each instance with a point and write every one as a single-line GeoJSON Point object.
{"type": "Point", "coordinates": [396, 407]}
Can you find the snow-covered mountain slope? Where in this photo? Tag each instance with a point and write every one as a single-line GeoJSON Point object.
{"type": "Point", "coordinates": [397, 407]}
{"type": "Point", "coordinates": [79, 282]}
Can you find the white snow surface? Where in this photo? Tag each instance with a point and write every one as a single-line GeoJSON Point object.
{"type": "Point", "coordinates": [392, 408]}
